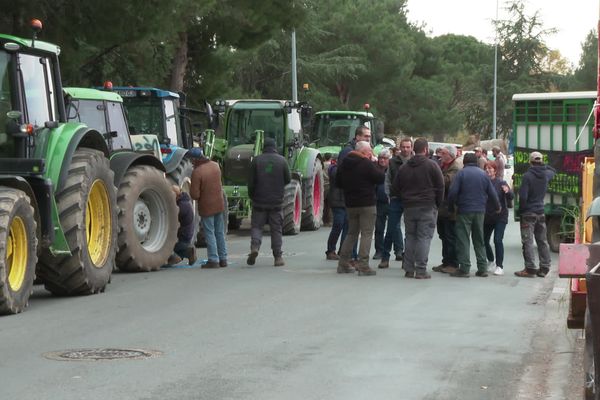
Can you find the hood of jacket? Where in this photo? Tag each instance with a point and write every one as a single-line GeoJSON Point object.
{"type": "Point", "coordinates": [417, 160]}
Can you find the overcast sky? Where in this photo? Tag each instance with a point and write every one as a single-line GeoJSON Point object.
{"type": "Point", "coordinates": [573, 19]}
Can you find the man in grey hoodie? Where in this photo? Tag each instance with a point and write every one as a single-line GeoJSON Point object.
{"type": "Point", "coordinates": [533, 221]}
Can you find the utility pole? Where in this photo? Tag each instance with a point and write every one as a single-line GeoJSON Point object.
{"type": "Point", "coordinates": [495, 73]}
{"type": "Point", "coordinates": [294, 73]}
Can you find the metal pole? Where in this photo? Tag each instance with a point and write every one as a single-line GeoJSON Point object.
{"type": "Point", "coordinates": [495, 74]}
{"type": "Point", "coordinates": [294, 73]}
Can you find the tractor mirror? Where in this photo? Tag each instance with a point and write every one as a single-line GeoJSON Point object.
{"type": "Point", "coordinates": [14, 114]}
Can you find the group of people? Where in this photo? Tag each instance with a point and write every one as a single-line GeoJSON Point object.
{"type": "Point", "coordinates": [466, 203]}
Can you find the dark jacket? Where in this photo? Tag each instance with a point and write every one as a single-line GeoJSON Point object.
{"type": "Point", "coordinates": [470, 191]}
{"type": "Point", "coordinates": [350, 146]}
{"type": "Point", "coordinates": [533, 188]}
{"type": "Point", "coordinates": [491, 215]}
{"type": "Point", "coordinates": [420, 183]}
{"type": "Point", "coordinates": [336, 194]}
{"type": "Point", "coordinates": [269, 173]}
{"type": "Point", "coordinates": [449, 172]}
{"type": "Point", "coordinates": [382, 196]}
{"type": "Point", "coordinates": [185, 233]}
{"type": "Point", "coordinates": [395, 164]}
{"type": "Point", "coordinates": [358, 176]}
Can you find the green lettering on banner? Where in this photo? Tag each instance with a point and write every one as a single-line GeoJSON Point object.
{"type": "Point", "coordinates": [521, 157]}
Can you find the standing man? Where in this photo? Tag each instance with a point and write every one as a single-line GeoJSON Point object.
{"type": "Point", "coordinates": [420, 185]}
{"type": "Point", "coordinates": [206, 189]}
{"type": "Point", "coordinates": [269, 173]}
{"type": "Point", "coordinates": [394, 230]}
{"type": "Point", "coordinates": [469, 192]}
{"type": "Point", "coordinates": [533, 222]}
{"type": "Point", "coordinates": [362, 134]}
{"type": "Point", "coordinates": [383, 203]}
{"type": "Point", "coordinates": [358, 176]}
{"type": "Point", "coordinates": [481, 159]}
{"type": "Point", "coordinates": [446, 222]}
{"type": "Point", "coordinates": [500, 162]}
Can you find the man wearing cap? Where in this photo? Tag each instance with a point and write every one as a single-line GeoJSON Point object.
{"type": "Point", "coordinates": [481, 159]}
{"type": "Point", "coordinates": [533, 221]}
{"type": "Point", "coordinates": [206, 189]}
{"type": "Point", "coordinates": [269, 173]}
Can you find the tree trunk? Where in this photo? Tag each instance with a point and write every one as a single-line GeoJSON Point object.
{"type": "Point", "coordinates": [342, 92]}
{"type": "Point", "coordinates": [180, 61]}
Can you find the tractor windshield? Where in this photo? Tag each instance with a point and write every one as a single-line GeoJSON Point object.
{"type": "Point", "coordinates": [243, 124]}
{"type": "Point", "coordinates": [336, 130]}
{"type": "Point", "coordinates": [6, 141]}
{"type": "Point", "coordinates": [146, 116]}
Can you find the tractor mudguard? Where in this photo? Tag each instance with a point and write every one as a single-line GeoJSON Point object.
{"type": "Point", "coordinates": [121, 162]}
{"type": "Point", "coordinates": [305, 163]}
{"type": "Point", "coordinates": [172, 160]}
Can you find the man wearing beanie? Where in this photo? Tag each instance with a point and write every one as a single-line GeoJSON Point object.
{"type": "Point", "coordinates": [269, 173]}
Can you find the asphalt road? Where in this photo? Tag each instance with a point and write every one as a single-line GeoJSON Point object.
{"type": "Point", "coordinates": [299, 332]}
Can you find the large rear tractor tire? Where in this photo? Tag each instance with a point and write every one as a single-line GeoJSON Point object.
{"type": "Point", "coordinates": [18, 250]}
{"type": "Point", "coordinates": [147, 220]}
{"type": "Point", "coordinates": [88, 216]}
{"type": "Point", "coordinates": [292, 208]}
{"type": "Point", "coordinates": [312, 218]}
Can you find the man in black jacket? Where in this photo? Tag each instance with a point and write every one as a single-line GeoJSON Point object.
{"type": "Point", "coordinates": [269, 173]}
{"type": "Point", "coordinates": [420, 185]}
{"type": "Point", "coordinates": [533, 221]}
{"type": "Point", "coordinates": [358, 176]}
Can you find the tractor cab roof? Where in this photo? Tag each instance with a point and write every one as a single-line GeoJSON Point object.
{"type": "Point", "coordinates": [129, 91]}
{"type": "Point", "coordinates": [26, 44]}
{"type": "Point", "coordinates": [92, 94]}
{"type": "Point", "coordinates": [363, 114]}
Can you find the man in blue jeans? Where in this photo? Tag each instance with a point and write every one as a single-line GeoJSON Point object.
{"type": "Point", "coordinates": [533, 222]}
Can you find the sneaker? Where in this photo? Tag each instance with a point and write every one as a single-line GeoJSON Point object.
{"type": "Point", "coordinates": [525, 273]}
{"type": "Point", "coordinates": [491, 266]}
{"type": "Point", "coordinates": [424, 275]}
{"type": "Point", "coordinates": [409, 274]}
{"type": "Point", "coordinates": [252, 257]}
{"type": "Point", "coordinates": [481, 274]}
{"type": "Point", "coordinates": [460, 274]}
{"type": "Point", "coordinates": [542, 272]}
{"type": "Point", "coordinates": [384, 264]}
{"type": "Point", "coordinates": [400, 257]}
{"type": "Point", "coordinates": [331, 256]}
{"type": "Point", "coordinates": [211, 265]}
{"type": "Point", "coordinates": [377, 256]}
{"type": "Point", "coordinates": [499, 271]}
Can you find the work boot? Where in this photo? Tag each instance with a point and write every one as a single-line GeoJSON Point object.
{"type": "Point", "coordinates": [252, 257]}
{"type": "Point", "coordinates": [330, 255]}
{"type": "Point", "coordinates": [211, 265]}
{"type": "Point", "coordinates": [366, 271]}
{"type": "Point", "coordinates": [542, 272]}
{"type": "Point", "coordinates": [223, 263]}
{"type": "Point", "coordinates": [439, 268]}
{"type": "Point", "coordinates": [449, 269]}
{"type": "Point", "coordinates": [399, 256]}
{"type": "Point", "coordinates": [190, 254]}
{"type": "Point", "coordinates": [526, 273]}
{"type": "Point", "coordinates": [174, 259]}
{"type": "Point", "coordinates": [377, 256]}
{"type": "Point", "coordinates": [384, 264]}
{"type": "Point", "coordinates": [278, 262]}
{"type": "Point", "coordinates": [345, 269]}
{"type": "Point", "coordinates": [423, 275]}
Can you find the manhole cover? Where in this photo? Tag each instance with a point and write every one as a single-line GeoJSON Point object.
{"type": "Point", "coordinates": [101, 354]}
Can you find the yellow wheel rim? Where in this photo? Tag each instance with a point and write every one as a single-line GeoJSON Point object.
{"type": "Point", "coordinates": [16, 254]}
{"type": "Point", "coordinates": [98, 222]}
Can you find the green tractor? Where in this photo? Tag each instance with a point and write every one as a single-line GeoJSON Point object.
{"type": "Point", "coordinates": [332, 130]}
{"type": "Point", "coordinates": [245, 125]}
{"type": "Point", "coordinates": [147, 221]}
{"type": "Point", "coordinates": [57, 197]}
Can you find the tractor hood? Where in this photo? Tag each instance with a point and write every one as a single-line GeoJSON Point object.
{"type": "Point", "coordinates": [236, 164]}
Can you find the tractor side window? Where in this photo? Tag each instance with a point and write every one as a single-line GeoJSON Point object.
{"type": "Point", "coordinates": [38, 89]}
{"type": "Point", "coordinates": [116, 119]}
{"type": "Point", "coordinates": [171, 122]}
{"type": "Point", "coordinates": [91, 113]}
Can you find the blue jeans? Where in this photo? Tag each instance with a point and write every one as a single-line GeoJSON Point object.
{"type": "Point", "coordinates": [214, 232]}
{"type": "Point", "coordinates": [339, 227]}
{"type": "Point", "coordinates": [394, 231]}
{"type": "Point", "coordinates": [498, 230]}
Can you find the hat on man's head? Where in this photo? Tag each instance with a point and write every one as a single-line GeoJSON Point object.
{"type": "Point", "coordinates": [536, 156]}
{"type": "Point", "coordinates": [195, 152]}
{"type": "Point", "coordinates": [269, 143]}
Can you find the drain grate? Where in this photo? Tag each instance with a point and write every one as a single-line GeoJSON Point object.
{"type": "Point", "coordinates": [101, 354]}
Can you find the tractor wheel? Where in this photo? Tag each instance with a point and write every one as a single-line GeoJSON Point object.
{"type": "Point", "coordinates": [314, 189]}
{"type": "Point", "coordinates": [292, 208]}
{"type": "Point", "coordinates": [553, 233]}
{"type": "Point", "coordinates": [18, 250]}
{"type": "Point", "coordinates": [147, 220]}
{"type": "Point", "coordinates": [87, 212]}
{"type": "Point", "coordinates": [589, 368]}
{"type": "Point", "coordinates": [234, 223]}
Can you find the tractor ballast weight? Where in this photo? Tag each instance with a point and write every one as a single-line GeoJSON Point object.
{"type": "Point", "coordinates": [246, 124]}
{"type": "Point", "coordinates": [58, 200]}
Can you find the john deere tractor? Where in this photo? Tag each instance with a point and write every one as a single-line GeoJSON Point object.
{"type": "Point", "coordinates": [57, 197]}
{"type": "Point", "coordinates": [147, 208]}
{"type": "Point", "coordinates": [246, 124]}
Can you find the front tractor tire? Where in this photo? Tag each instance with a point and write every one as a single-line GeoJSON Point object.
{"type": "Point", "coordinates": [147, 220]}
{"type": "Point", "coordinates": [18, 250]}
{"type": "Point", "coordinates": [87, 213]}
{"type": "Point", "coordinates": [312, 218]}
{"type": "Point", "coordinates": [292, 208]}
